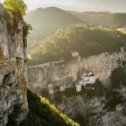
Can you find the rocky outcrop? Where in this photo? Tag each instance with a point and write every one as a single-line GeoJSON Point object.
{"type": "Point", "coordinates": [95, 105]}
{"type": "Point", "coordinates": [13, 69]}
{"type": "Point", "coordinates": [99, 104]}
{"type": "Point", "coordinates": [92, 113]}
{"type": "Point", "coordinates": [66, 73]}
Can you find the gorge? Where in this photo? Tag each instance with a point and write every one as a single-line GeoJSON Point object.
{"type": "Point", "coordinates": [89, 90]}
{"type": "Point", "coordinates": [17, 103]}
{"type": "Point", "coordinates": [77, 76]}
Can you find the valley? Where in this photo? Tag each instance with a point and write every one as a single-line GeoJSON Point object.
{"type": "Point", "coordinates": [81, 88]}
{"type": "Point", "coordinates": [61, 67]}
{"type": "Point", "coordinates": [80, 66]}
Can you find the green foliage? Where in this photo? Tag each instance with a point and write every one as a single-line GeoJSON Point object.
{"type": "Point", "coordinates": [42, 113]}
{"type": "Point", "coordinates": [87, 40]}
{"type": "Point", "coordinates": [26, 29]}
{"type": "Point", "coordinates": [46, 21]}
{"type": "Point", "coordinates": [17, 6]}
{"type": "Point", "coordinates": [14, 16]}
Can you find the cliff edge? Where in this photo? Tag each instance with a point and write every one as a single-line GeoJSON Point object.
{"type": "Point", "coordinates": [13, 69]}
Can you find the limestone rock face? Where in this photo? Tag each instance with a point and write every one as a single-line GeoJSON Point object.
{"type": "Point", "coordinates": [97, 104]}
{"type": "Point", "coordinates": [65, 73]}
{"type": "Point", "coordinates": [13, 71]}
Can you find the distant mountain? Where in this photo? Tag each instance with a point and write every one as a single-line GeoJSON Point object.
{"type": "Point", "coordinates": [51, 16]}
{"type": "Point", "coordinates": [88, 40]}
{"type": "Point", "coordinates": [47, 20]}
{"type": "Point", "coordinates": [102, 18]}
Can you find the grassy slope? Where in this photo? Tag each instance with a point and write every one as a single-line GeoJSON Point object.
{"type": "Point", "coordinates": [42, 113]}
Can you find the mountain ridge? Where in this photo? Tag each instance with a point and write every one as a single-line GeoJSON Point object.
{"type": "Point", "coordinates": [106, 18]}
{"type": "Point", "coordinates": [46, 21]}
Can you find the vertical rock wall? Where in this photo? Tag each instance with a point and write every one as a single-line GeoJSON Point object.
{"type": "Point", "coordinates": [13, 70]}
{"type": "Point", "coordinates": [58, 73]}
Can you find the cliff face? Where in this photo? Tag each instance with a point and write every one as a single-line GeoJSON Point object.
{"type": "Point", "coordinates": [13, 69]}
{"type": "Point", "coordinates": [64, 74]}
{"type": "Point", "coordinates": [94, 104]}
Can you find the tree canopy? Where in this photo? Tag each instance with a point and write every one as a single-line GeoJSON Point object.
{"type": "Point", "coordinates": [87, 40]}
{"type": "Point", "coordinates": [17, 6]}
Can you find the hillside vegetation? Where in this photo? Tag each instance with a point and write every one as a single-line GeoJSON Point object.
{"type": "Point", "coordinates": [87, 40]}
{"type": "Point", "coordinates": [43, 113]}
{"type": "Point", "coordinates": [47, 20]}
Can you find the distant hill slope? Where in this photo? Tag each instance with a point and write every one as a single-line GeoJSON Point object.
{"type": "Point", "coordinates": [51, 16]}
{"type": "Point", "coordinates": [87, 40]}
{"type": "Point", "coordinates": [47, 20]}
{"type": "Point", "coordinates": [102, 18]}
{"type": "Point", "coordinates": [43, 113]}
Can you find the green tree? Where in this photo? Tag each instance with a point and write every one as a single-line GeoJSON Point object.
{"type": "Point", "coordinates": [17, 6]}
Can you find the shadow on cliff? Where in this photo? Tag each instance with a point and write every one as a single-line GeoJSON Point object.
{"type": "Point", "coordinates": [42, 113]}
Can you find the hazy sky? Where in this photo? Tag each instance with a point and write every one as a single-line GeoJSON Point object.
{"type": "Point", "coordinates": [81, 5]}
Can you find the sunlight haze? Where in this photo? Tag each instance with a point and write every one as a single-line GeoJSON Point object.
{"type": "Point", "coordinates": [80, 5]}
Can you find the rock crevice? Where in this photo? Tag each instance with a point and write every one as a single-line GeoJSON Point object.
{"type": "Point", "coordinates": [13, 70]}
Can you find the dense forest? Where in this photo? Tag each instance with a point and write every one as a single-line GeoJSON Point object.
{"type": "Point", "coordinates": [88, 40]}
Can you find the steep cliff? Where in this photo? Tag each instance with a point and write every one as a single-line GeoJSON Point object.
{"type": "Point", "coordinates": [67, 74]}
{"type": "Point", "coordinates": [101, 103]}
{"type": "Point", "coordinates": [13, 69]}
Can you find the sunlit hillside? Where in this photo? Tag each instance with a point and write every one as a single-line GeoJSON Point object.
{"type": "Point", "coordinates": [123, 30]}
{"type": "Point", "coordinates": [47, 20]}
{"type": "Point", "coordinates": [87, 40]}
